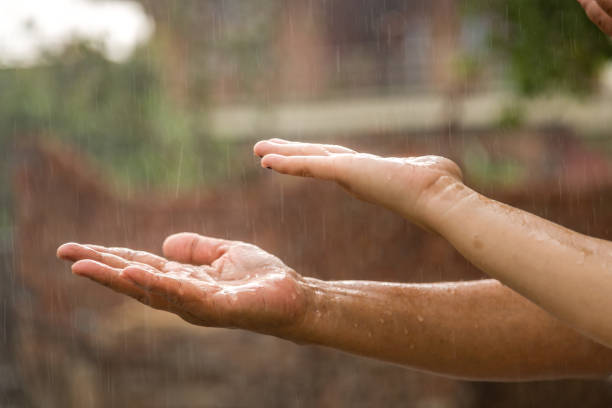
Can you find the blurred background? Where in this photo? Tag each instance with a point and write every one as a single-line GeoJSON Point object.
{"type": "Point", "coordinates": [124, 121]}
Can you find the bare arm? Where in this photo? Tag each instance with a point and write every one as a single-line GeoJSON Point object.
{"type": "Point", "coordinates": [566, 273]}
{"type": "Point", "coordinates": [479, 330]}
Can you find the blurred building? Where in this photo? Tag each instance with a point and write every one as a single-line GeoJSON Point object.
{"type": "Point", "coordinates": [316, 49]}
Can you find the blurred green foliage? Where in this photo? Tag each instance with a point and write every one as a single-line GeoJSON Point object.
{"type": "Point", "coordinates": [119, 113]}
{"type": "Point", "coordinates": [125, 114]}
{"type": "Point", "coordinates": [549, 44]}
{"type": "Point", "coordinates": [483, 169]}
{"type": "Point", "coordinates": [512, 115]}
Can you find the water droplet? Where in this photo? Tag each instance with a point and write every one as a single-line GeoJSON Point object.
{"type": "Point", "coordinates": [420, 319]}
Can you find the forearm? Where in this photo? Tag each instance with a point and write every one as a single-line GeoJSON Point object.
{"type": "Point", "coordinates": [479, 330]}
{"type": "Point", "coordinates": [566, 273]}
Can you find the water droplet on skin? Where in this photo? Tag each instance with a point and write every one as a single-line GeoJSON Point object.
{"type": "Point", "coordinates": [420, 319]}
{"type": "Point", "coordinates": [412, 346]}
{"type": "Point", "coordinates": [355, 325]}
{"type": "Point", "coordinates": [405, 330]}
{"type": "Point", "coordinates": [369, 334]}
{"type": "Point", "coordinates": [382, 321]}
{"type": "Point", "coordinates": [293, 296]}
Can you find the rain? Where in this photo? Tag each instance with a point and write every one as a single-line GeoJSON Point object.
{"type": "Point", "coordinates": [347, 280]}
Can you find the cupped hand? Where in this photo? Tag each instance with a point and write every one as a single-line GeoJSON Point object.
{"type": "Point", "coordinates": [600, 13]}
{"type": "Point", "coordinates": [208, 281]}
{"type": "Point", "coordinates": [407, 186]}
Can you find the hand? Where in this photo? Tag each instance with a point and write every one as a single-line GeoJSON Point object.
{"type": "Point", "coordinates": [211, 282]}
{"type": "Point", "coordinates": [600, 12]}
{"type": "Point", "coordinates": [408, 186]}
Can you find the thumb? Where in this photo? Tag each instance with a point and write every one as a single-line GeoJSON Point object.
{"type": "Point", "coordinates": [195, 249]}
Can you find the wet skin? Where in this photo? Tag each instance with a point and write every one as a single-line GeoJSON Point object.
{"type": "Point", "coordinates": [566, 273]}
{"type": "Point", "coordinates": [209, 282]}
{"type": "Point", "coordinates": [478, 330]}
{"type": "Point", "coordinates": [600, 13]}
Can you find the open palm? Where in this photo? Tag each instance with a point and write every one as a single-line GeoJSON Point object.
{"type": "Point", "coordinates": [207, 281]}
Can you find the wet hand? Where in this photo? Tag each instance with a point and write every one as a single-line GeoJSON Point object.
{"type": "Point", "coordinates": [600, 13]}
{"type": "Point", "coordinates": [405, 185]}
{"type": "Point", "coordinates": [206, 281]}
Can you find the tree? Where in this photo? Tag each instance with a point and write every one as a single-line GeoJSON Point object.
{"type": "Point", "coordinates": [549, 44]}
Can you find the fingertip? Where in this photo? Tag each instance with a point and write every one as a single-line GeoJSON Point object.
{"type": "Point", "coordinates": [270, 160]}
{"type": "Point", "coordinates": [259, 148]}
{"type": "Point", "coordinates": [265, 147]}
{"type": "Point", "coordinates": [67, 251]}
{"type": "Point", "coordinates": [85, 267]}
{"type": "Point", "coordinates": [62, 250]}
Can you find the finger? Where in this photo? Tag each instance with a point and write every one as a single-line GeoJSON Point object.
{"type": "Point", "coordinates": [177, 291]}
{"type": "Point", "coordinates": [75, 252]}
{"type": "Point", "coordinates": [598, 16]}
{"type": "Point", "coordinates": [107, 276]}
{"type": "Point", "coordinates": [195, 249]}
{"type": "Point", "coordinates": [298, 149]}
{"type": "Point", "coordinates": [278, 140]}
{"type": "Point", "coordinates": [68, 251]}
{"type": "Point", "coordinates": [148, 258]}
{"type": "Point", "coordinates": [321, 167]}
{"type": "Point", "coordinates": [114, 279]}
{"type": "Point", "coordinates": [606, 5]}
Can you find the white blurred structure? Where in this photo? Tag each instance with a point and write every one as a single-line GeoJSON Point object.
{"type": "Point", "coordinates": [29, 26]}
{"type": "Point", "coordinates": [606, 79]}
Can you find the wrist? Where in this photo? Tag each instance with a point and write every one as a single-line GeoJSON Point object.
{"type": "Point", "coordinates": [314, 291]}
{"type": "Point", "coordinates": [437, 201]}
{"type": "Point", "coordinates": [305, 329]}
